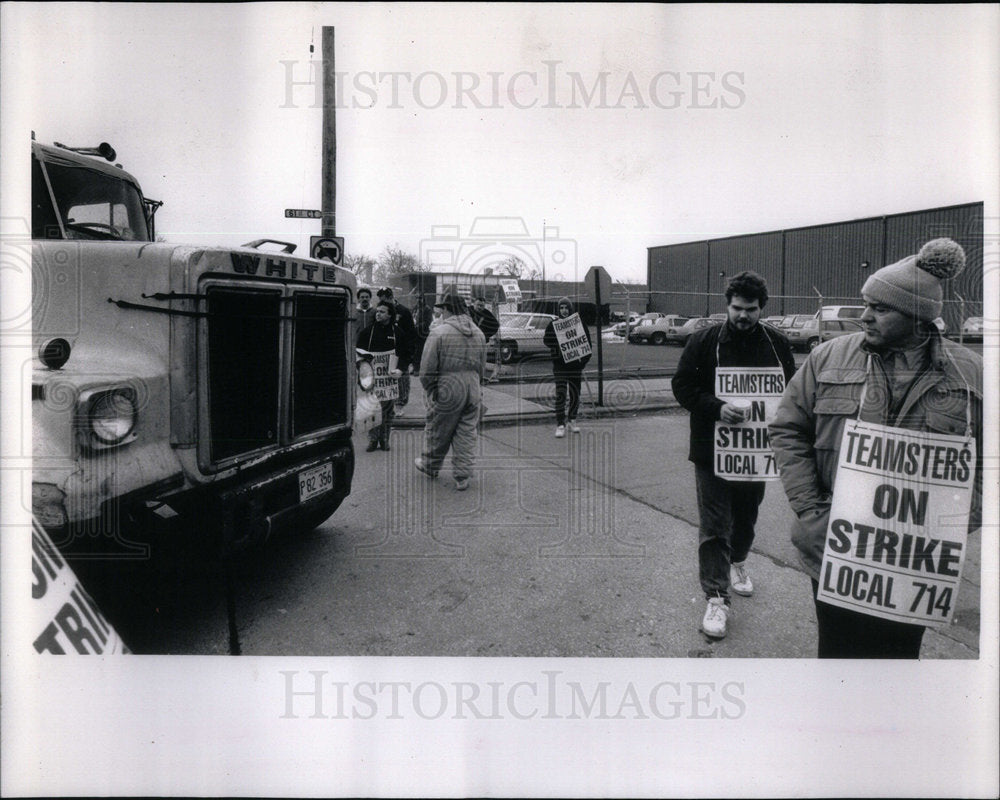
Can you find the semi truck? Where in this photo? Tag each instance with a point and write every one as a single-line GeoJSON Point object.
{"type": "Point", "coordinates": [178, 389]}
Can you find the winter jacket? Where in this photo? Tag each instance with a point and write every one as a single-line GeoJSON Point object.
{"type": "Point", "coordinates": [364, 317]}
{"type": "Point", "coordinates": [693, 383]}
{"type": "Point", "coordinates": [552, 342]}
{"type": "Point", "coordinates": [455, 347]}
{"type": "Point", "coordinates": [806, 431]}
{"type": "Point", "coordinates": [404, 320]}
{"type": "Point", "coordinates": [378, 338]}
{"type": "Point", "coordinates": [487, 323]}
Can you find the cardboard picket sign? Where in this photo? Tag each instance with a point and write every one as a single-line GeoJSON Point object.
{"type": "Point", "coordinates": [743, 451]}
{"type": "Point", "coordinates": [383, 363]}
{"type": "Point", "coordinates": [896, 541]}
{"type": "Point", "coordinates": [572, 338]}
{"type": "Point", "coordinates": [65, 617]}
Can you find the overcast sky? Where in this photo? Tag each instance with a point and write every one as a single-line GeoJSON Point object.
{"type": "Point", "coordinates": [621, 127]}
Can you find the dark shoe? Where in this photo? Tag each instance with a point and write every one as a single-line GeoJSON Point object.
{"type": "Point", "coordinates": [372, 447]}
{"type": "Point", "coordinates": [385, 446]}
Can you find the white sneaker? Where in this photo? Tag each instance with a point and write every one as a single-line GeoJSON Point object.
{"type": "Point", "coordinates": [716, 618]}
{"type": "Point", "coordinates": [560, 431]}
{"type": "Point", "coordinates": [461, 484]}
{"type": "Point", "coordinates": [573, 427]}
{"type": "Point", "coordinates": [739, 579]}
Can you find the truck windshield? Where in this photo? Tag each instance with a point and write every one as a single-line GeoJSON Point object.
{"type": "Point", "coordinates": [90, 204]}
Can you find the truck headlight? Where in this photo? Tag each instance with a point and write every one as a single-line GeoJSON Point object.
{"type": "Point", "coordinates": [366, 375]}
{"type": "Point", "coordinates": [110, 415]}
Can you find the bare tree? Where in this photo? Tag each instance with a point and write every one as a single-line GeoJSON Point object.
{"type": "Point", "coordinates": [395, 261]}
{"type": "Point", "coordinates": [512, 266]}
{"type": "Point", "coordinates": [361, 265]}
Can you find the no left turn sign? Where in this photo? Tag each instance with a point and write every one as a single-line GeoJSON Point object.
{"type": "Point", "coordinates": [329, 247]}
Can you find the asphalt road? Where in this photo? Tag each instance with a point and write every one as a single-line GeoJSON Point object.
{"type": "Point", "coordinates": [584, 546]}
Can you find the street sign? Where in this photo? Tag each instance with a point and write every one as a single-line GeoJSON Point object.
{"type": "Point", "coordinates": [328, 247]}
{"type": "Point", "coordinates": [303, 213]}
{"type": "Point", "coordinates": [595, 274]}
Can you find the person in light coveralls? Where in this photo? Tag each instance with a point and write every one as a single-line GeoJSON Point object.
{"type": "Point", "coordinates": [898, 372]}
{"type": "Point", "coordinates": [451, 371]}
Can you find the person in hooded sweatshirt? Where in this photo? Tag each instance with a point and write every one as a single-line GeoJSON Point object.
{"type": "Point", "coordinates": [567, 375]}
{"type": "Point", "coordinates": [451, 371]}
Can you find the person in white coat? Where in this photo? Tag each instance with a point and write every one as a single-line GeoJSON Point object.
{"type": "Point", "coordinates": [451, 372]}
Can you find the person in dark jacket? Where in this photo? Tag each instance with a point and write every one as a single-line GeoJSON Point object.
{"type": "Point", "coordinates": [364, 311]}
{"type": "Point", "coordinates": [381, 336]}
{"type": "Point", "coordinates": [404, 321]}
{"type": "Point", "coordinates": [422, 318]}
{"type": "Point", "coordinates": [489, 325]}
{"type": "Point", "coordinates": [568, 375]}
{"type": "Point", "coordinates": [727, 510]}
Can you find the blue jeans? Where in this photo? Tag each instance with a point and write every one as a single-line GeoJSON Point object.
{"type": "Point", "coordinates": [727, 513]}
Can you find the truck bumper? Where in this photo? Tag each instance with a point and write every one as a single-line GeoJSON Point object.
{"type": "Point", "coordinates": [234, 514]}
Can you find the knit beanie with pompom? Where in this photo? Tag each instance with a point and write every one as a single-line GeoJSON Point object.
{"type": "Point", "coordinates": [912, 286]}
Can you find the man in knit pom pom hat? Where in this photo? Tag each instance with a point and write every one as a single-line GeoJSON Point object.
{"type": "Point", "coordinates": [901, 373]}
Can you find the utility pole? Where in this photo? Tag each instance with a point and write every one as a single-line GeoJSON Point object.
{"type": "Point", "coordinates": [329, 189]}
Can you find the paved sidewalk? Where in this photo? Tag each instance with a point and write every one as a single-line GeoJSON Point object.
{"type": "Point", "coordinates": [532, 400]}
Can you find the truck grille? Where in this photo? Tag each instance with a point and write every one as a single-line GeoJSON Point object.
{"type": "Point", "coordinates": [254, 403]}
{"type": "Point", "coordinates": [319, 366]}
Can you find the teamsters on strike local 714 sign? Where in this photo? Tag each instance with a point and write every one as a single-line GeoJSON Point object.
{"type": "Point", "coordinates": [572, 338]}
{"type": "Point", "coordinates": [743, 451]}
{"type": "Point", "coordinates": [898, 523]}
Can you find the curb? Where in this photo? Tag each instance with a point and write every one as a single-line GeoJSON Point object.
{"type": "Point", "coordinates": [539, 417]}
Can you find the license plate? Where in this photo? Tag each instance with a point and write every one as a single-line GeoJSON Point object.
{"type": "Point", "coordinates": [315, 481]}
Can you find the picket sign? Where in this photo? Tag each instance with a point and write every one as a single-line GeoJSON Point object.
{"type": "Point", "coordinates": [572, 338]}
{"type": "Point", "coordinates": [383, 363]}
{"type": "Point", "coordinates": [896, 541]}
{"type": "Point", "coordinates": [65, 617]}
{"type": "Point", "coordinates": [743, 451]}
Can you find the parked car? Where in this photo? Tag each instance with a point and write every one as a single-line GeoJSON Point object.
{"type": "Point", "coordinates": [840, 312]}
{"type": "Point", "coordinates": [972, 329]}
{"type": "Point", "coordinates": [621, 328]}
{"type": "Point", "coordinates": [521, 335]}
{"type": "Point", "coordinates": [657, 331]}
{"type": "Point", "coordinates": [634, 320]}
{"type": "Point", "coordinates": [694, 324]}
{"type": "Point", "coordinates": [813, 332]}
{"type": "Point", "coordinates": [794, 321]}
{"type": "Point", "coordinates": [719, 317]}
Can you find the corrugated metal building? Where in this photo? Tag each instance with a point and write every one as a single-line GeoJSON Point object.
{"type": "Point", "coordinates": [624, 297]}
{"type": "Point", "coordinates": [826, 264]}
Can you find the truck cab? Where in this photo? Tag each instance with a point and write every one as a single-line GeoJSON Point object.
{"type": "Point", "coordinates": [203, 389]}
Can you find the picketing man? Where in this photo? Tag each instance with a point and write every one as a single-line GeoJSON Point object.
{"type": "Point", "coordinates": [383, 338]}
{"type": "Point", "coordinates": [897, 377]}
{"type": "Point", "coordinates": [567, 373]}
{"type": "Point", "coordinates": [403, 321]}
{"type": "Point", "coordinates": [728, 503]}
